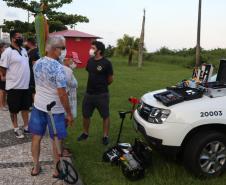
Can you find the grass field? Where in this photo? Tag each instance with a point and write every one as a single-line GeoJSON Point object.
{"type": "Point", "coordinates": [129, 81]}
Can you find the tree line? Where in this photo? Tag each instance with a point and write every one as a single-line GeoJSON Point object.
{"type": "Point", "coordinates": [128, 46]}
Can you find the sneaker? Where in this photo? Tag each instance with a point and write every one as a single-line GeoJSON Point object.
{"type": "Point", "coordinates": [83, 136]}
{"type": "Point", "coordinates": [4, 109]}
{"type": "Point", "coordinates": [105, 140]}
{"type": "Point", "coordinates": [19, 133]}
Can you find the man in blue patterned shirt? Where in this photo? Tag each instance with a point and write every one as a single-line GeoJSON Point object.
{"type": "Point", "coordinates": [50, 80]}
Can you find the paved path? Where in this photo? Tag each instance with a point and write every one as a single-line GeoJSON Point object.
{"type": "Point", "coordinates": [16, 161]}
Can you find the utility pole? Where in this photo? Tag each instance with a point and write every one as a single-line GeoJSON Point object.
{"type": "Point", "coordinates": [197, 62]}
{"type": "Point", "coordinates": [141, 43]}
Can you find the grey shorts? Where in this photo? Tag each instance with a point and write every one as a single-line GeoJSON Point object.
{"type": "Point", "coordinates": [100, 101]}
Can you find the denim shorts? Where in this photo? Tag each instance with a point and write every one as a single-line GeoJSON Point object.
{"type": "Point", "coordinates": [39, 120]}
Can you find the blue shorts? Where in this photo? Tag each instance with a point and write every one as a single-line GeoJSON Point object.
{"type": "Point", "coordinates": [39, 120]}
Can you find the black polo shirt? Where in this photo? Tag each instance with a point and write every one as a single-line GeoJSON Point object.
{"type": "Point", "coordinates": [33, 55]}
{"type": "Point", "coordinates": [98, 73]}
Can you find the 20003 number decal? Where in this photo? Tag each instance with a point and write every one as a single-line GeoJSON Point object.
{"type": "Point", "coordinates": [211, 113]}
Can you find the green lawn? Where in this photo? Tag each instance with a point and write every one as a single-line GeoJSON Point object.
{"type": "Point", "coordinates": [129, 81]}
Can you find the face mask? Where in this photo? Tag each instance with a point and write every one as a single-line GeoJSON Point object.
{"type": "Point", "coordinates": [62, 56]}
{"type": "Point", "coordinates": [19, 42]}
{"type": "Point", "coordinates": [73, 65]}
{"type": "Point", "coordinates": [92, 52]}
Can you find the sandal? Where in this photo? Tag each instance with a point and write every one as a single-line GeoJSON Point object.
{"type": "Point", "coordinates": [35, 174]}
{"type": "Point", "coordinates": [56, 176]}
{"type": "Point", "coordinates": [67, 152]}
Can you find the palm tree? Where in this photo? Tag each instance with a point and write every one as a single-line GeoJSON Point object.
{"type": "Point", "coordinates": [127, 46]}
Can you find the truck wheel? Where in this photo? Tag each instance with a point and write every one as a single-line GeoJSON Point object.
{"type": "Point", "coordinates": [205, 154]}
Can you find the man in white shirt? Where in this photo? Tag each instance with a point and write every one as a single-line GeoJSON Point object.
{"type": "Point", "coordinates": [14, 65]}
{"type": "Point", "coordinates": [50, 85]}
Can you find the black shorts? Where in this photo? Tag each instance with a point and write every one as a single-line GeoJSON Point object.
{"type": "Point", "coordinates": [2, 85]}
{"type": "Point", "coordinates": [101, 102]}
{"type": "Point", "coordinates": [18, 99]}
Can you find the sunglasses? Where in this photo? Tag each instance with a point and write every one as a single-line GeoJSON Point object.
{"type": "Point", "coordinates": [61, 47]}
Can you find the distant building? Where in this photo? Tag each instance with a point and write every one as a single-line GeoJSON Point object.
{"type": "Point", "coordinates": [77, 44]}
{"type": "Point", "coordinates": [4, 36]}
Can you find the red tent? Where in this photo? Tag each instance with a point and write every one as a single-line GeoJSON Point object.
{"type": "Point", "coordinates": [78, 45]}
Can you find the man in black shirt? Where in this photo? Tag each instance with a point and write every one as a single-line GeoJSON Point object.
{"type": "Point", "coordinates": [100, 75]}
{"type": "Point", "coordinates": [33, 57]}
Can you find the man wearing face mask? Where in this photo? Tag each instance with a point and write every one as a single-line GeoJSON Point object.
{"type": "Point", "coordinates": [14, 65]}
{"type": "Point", "coordinates": [62, 56]}
{"type": "Point", "coordinates": [100, 75]}
{"type": "Point", "coordinates": [50, 84]}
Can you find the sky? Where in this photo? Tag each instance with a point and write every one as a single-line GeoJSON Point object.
{"type": "Point", "coordinates": [169, 23]}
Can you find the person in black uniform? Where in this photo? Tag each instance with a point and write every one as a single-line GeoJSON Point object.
{"type": "Point", "coordinates": [100, 76]}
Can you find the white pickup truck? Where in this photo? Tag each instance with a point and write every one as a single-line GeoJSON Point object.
{"type": "Point", "coordinates": [194, 129]}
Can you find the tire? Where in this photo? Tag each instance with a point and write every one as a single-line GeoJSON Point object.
{"type": "Point", "coordinates": [205, 154]}
{"type": "Point", "coordinates": [70, 176]}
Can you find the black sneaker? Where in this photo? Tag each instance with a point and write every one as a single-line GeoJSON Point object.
{"type": "Point", "coordinates": [83, 136]}
{"type": "Point", "coordinates": [105, 140]}
{"type": "Point", "coordinates": [19, 133]}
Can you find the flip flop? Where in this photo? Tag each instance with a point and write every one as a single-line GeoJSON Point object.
{"type": "Point", "coordinates": [56, 176]}
{"type": "Point", "coordinates": [35, 174]}
{"type": "Point", "coordinates": [68, 149]}
{"type": "Point", "coordinates": [67, 152]}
